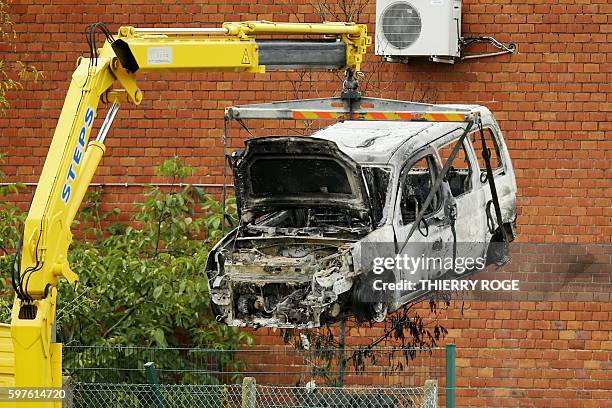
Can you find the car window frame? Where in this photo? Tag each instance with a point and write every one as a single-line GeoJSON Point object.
{"type": "Point", "coordinates": [386, 210]}
{"type": "Point", "coordinates": [470, 153]}
{"type": "Point", "coordinates": [439, 213]}
{"type": "Point", "coordinates": [497, 171]}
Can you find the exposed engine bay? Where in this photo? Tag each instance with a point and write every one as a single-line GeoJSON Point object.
{"type": "Point", "coordinates": [291, 268]}
{"type": "Point", "coordinates": [302, 205]}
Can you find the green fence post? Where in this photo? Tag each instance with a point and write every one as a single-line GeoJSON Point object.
{"type": "Point", "coordinates": [451, 354]}
{"type": "Point", "coordinates": [152, 379]}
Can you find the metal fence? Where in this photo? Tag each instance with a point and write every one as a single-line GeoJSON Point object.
{"type": "Point", "coordinates": [239, 396]}
{"type": "Point", "coordinates": [280, 377]}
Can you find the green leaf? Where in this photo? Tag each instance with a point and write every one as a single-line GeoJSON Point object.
{"type": "Point", "coordinates": [157, 292]}
{"type": "Point", "coordinates": [160, 337]}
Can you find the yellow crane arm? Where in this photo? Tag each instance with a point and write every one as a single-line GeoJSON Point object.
{"type": "Point", "coordinates": [73, 159]}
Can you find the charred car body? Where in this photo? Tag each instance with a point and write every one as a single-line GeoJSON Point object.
{"type": "Point", "coordinates": [315, 210]}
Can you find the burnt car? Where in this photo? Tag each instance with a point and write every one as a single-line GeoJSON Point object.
{"type": "Point", "coordinates": [314, 212]}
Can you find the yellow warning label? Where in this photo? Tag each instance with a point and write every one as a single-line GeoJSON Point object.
{"type": "Point", "coordinates": [245, 57]}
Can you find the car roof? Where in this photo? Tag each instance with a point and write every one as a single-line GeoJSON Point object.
{"type": "Point", "coordinates": [383, 142]}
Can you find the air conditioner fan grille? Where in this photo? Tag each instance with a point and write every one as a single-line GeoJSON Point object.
{"type": "Point", "coordinates": [401, 24]}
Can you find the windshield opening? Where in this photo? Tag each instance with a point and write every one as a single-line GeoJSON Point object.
{"type": "Point", "coordinates": [377, 183]}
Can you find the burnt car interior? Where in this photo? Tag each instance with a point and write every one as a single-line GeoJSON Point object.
{"type": "Point", "coordinates": [493, 148]}
{"type": "Point", "coordinates": [459, 176]}
{"type": "Point", "coordinates": [416, 185]}
{"type": "Point", "coordinates": [377, 182]}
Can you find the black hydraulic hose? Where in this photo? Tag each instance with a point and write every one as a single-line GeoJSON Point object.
{"type": "Point", "coordinates": [15, 270]}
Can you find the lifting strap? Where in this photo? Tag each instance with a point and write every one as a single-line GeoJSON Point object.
{"type": "Point", "coordinates": [453, 220]}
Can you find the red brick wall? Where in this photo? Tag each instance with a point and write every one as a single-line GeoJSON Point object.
{"type": "Point", "coordinates": [547, 345]}
{"type": "Point", "coordinates": [553, 102]}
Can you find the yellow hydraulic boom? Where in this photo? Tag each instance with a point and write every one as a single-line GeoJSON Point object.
{"type": "Point", "coordinates": [72, 159]}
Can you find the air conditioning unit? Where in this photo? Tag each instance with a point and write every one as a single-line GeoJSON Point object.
{"type": "Point", "coordinates": [406, 28]}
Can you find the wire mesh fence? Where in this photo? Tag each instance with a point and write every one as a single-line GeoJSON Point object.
{"type": "Point", "coordinates": [348, 397]}
{"type": "Point", "coordinates": [234, 396]}
{"type": "Point", "coordinates": [282, 377]}
{"type": "Point", "coordinates": [98, 395]}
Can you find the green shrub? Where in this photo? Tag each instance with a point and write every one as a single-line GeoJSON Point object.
{"type": "Point", "coordinates": [143, 282]}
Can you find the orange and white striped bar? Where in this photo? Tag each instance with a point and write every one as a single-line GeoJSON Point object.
{"type": "Point", "coordinates": [383, 115]}
{"type": "Point", "coordinates": [364, 109]}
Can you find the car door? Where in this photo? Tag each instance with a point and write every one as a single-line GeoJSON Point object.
{"type": "Point", "coordinates": [428, 241]}
{"type": "Point", "coordinates": [505, 183]}
{"type": "Point", "coordinates": [469, 198]}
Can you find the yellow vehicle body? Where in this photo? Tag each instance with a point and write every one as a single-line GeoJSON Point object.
{"type": "Point", "coordinates": [29, 357]}
{"type": "Point", "coordinates": [7, 362]}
